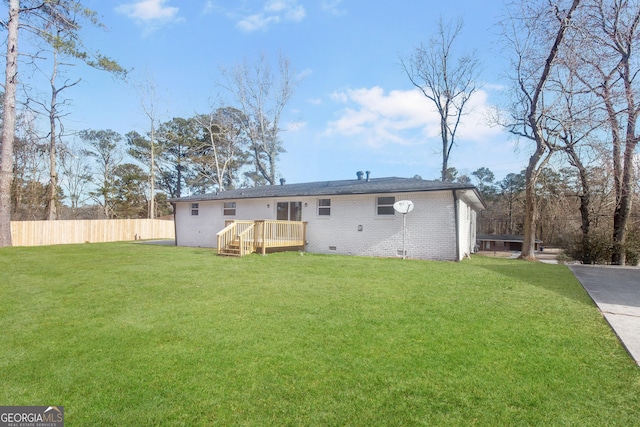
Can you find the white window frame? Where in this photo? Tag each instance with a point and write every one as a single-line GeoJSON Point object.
{"type": "Point", "coordinates": [229, 210]}
{"type": "Point", "coordinates": [388, 208]}
{"type": "Point", "coordinates": [195, 209]}
{"type": "Point", "coordinates": [324, 210]}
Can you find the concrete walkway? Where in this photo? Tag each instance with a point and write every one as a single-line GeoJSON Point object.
{"type": "Point", "coordinates": [616, 292]}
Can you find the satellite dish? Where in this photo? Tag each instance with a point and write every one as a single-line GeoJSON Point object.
{"type": "Point", "coordinates": [403, 206]}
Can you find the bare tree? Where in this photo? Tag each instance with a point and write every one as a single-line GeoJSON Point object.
{"type": "Point", "coordinates": [577, 119]}
{"type": "Point", "coordinates": [76, 176]}
{"type": "Point", "coordinates": [610, 67]}
{"type": "Point", "coordinates": [149, 102]}
{"type": "Point", "coordinates": [535, 32]}
{"type": "Point", "coordinates": [448, 83]}
{"type": "Point", "coordinates": [9, 121]}
{"type": "Point", "coordinates": [261, 98]}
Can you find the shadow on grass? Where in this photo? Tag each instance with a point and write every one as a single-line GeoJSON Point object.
{"type": "Point", "coordinates": [556, 278]}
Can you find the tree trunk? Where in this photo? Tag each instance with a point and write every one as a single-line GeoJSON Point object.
{"type": "Point", "coordinates": [52, 198]}
{"type": "Point", "coordinates": [623, 207]}
{"type": "Point", "coordinates": [445, 145]}
{"type": "Point", "coordinates": [585, 202]}
{"type": "Point", "coordinates": [152, 171]}
{"type": "Point", "coordinates": [52, 211]}
{"type": "Point", "coordinates": [531, 210]}
{"type": "Point", "coordinates": [9, 123]}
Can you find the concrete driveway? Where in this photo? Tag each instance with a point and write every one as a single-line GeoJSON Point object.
{"type": "Point", "coordinates": [616, 292]}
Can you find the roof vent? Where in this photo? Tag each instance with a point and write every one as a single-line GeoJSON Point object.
{"type": "Point", "coordinates": [359, 174]}
{"type": "Point", "coordinates": [368, 173]}
{"type": "Point", "coordinates": [283, 181]}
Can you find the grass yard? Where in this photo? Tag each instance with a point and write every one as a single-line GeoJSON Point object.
{"type": "Point", "coordinates": [138, 335]}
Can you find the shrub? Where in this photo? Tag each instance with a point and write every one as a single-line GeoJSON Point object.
{"type": "Point", "coordinates": [632, 249]}
{"type": "Point", "coordinates": [597, 250]}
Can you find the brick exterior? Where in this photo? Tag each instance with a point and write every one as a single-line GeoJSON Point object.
{"type": "Point", "coordinates": [352, 228]}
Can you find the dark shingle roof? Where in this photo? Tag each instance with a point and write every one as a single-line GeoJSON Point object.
{"type": "Point", "coordinates": [327, 188]}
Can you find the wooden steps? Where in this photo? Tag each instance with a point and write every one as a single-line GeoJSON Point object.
{"type": "Point", "coordinates": [232, 249]}
{"type": "Point", "coordinates": [245, 237]}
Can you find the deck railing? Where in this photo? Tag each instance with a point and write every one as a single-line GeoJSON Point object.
{"type": "Point", "coordinates": [263, 234]}
{"type": "Point", "coordinates": [237, 236]}
{"type": "Point", "coordinates": [246, 241]}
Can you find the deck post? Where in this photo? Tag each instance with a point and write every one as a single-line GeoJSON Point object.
{"type": "Point", "coordinates": [304, 236]}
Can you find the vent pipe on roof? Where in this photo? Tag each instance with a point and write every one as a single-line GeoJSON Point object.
{"type": "Point", "coordinates": [283, 181]}
{"type": "Point", "coordinates": [368, 173]}
{"type": "Point", "coordinates": [359, 174]}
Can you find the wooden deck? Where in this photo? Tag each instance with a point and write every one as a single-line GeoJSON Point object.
{"type": "Point", "coordinates": [240, 238]}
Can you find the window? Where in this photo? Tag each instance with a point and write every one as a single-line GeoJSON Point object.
{"type": "Point", "coordinates": [324, 207]}
{"type": "Point", "coordinates": [289, 211]}
{"type": "Point", "coordinates": [385, 205]}
{"type": "Point", "coordinates": [229, 208]}
{"type": "Point", "coordinates": [194, 209]}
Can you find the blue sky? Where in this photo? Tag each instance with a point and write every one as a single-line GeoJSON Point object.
{"type": "Point", "coordinates": [354, 109]}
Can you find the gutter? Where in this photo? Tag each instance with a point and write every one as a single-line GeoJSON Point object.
{"type": "Point", "coordinates": [457, 221]}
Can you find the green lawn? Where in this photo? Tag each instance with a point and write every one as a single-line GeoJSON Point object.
{"type": "Point", "coordinates": [138, 335]}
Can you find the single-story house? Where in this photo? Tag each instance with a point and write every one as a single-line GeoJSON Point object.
{"type": "Point", "coordinates": [503, 242]}
{"type": "Point", "coordinates": [351, 217]}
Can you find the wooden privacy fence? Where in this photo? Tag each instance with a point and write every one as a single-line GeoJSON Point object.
{"type": "Point", "coordinates": [40, 233]}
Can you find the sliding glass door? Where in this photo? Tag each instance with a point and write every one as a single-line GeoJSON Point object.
{"type": "Point", "coordinates": [289, 211]}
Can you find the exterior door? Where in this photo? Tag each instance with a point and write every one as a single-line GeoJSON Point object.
{"type": "Point", "coordinates": [289, 211]}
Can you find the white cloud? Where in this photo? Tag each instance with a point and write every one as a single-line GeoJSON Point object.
{"type": "Point", "coordinates": [150, 13]}
{"type": "Point", "coordinates": [148, 10]}
{"type": "Point", "coordinates": [276, 6]}
{"type": "Point", "coordinates": [331, 6]}
{"type": "Point", "coordinates": [340, 97]}
{"type": "Point", "coordinates": [209, 7]}
{"type": "Point", "coordinates": [304, 74]}
{"type": "Point", "coordinates": [273, 12]}
{"type": "Point", "coordinates": [257, 22]}
{"type": "Point", "coordinates": [402, 117]}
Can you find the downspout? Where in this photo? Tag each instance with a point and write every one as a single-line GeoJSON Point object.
{"type": "Point", "coordinates": [175, 223]}
{"type": "Point", "coordinates": [457, 221]}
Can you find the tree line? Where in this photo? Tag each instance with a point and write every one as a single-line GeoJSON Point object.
{"type": "Point", "coordinates": [208, 152]}
{"type": "Point", "coordinates": [559, 193]}
{"type": "Point", "coordinates": [108, 175]}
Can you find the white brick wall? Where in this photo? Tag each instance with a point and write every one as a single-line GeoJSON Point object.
{"type": "Point", "coordinates": [430, 226]}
